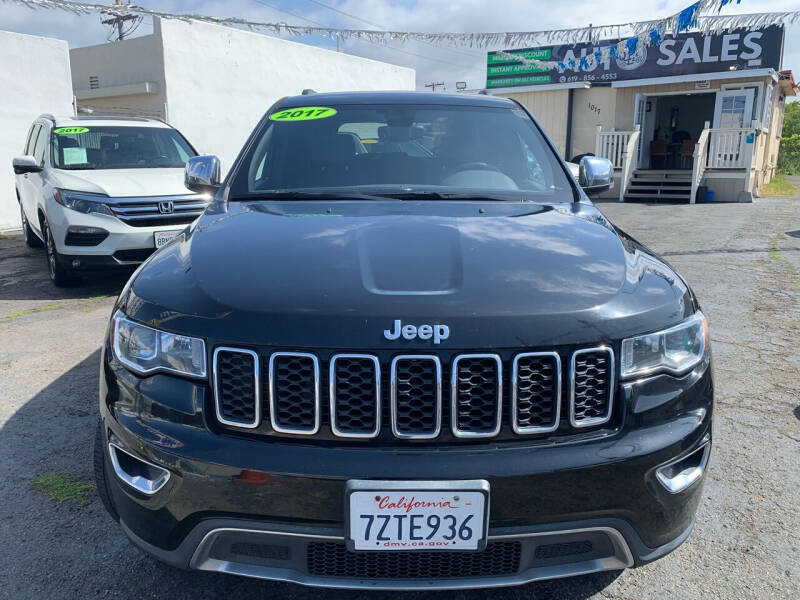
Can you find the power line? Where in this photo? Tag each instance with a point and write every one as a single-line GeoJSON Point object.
{"type": "Point", "coordinates": [372, 24]}
{"type": "Point", "coordinates": [269, 5]}
{"type": "Point", "coordinates": [288, 12]}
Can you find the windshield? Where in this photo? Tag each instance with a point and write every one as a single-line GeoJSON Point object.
{"type": "Point", "coordinates": [119, 148]}
{"type": "Point", "coordinates": [405, 150]}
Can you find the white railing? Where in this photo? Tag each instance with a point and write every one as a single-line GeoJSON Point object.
{"type": "Point", "coordinates": [727, 148]}
{"type": "Point", "coordinates": [630, 157]}
{"type": "Point", "coordinates": [699, 161]}
{"type": "Point", "coordinates": [718, 148]}
{"type": "Point", "coordinates": [612, 145]}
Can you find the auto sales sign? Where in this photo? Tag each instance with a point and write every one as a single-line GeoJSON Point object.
{"type": "Point", "coordinates": [685, 54]}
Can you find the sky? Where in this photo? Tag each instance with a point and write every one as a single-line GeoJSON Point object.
{"type": "Point", "coordinates": [433, 63]}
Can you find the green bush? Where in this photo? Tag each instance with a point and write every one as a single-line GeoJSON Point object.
{"type": "Point", "coordinates": [789, 155]}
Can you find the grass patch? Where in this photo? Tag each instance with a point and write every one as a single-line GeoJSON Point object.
{"type": "Point", "coordinates": [49, 307]}
{"type": "Point", "coordinates": [62, 486]}
{"type": "Point", "coordinates": [776, 255]}
{"type": "Point", "coordinates": [778, 187]}
{"type": "Point", "coordinates": [30, 311]}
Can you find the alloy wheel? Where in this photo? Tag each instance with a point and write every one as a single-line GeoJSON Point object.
{"type": "Point", "coordinates": [51, 251]}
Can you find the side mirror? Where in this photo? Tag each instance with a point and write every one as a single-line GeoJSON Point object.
{"type": "Point", "coordinates": [25, 164]}
{"type": "Point", "coordinates": [201, 174]}
{"type": "Point", "coordinates": [595, 174]}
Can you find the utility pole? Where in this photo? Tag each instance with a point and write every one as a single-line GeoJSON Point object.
{"type": "Point", "coordinates": [118, 21]}
{"type": "Point", "coordinates": [433, 85]}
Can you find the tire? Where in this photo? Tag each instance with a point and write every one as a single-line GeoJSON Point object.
{"type": "Point", "coordinates": [100, 471]}
{"type": "Point", "coordinates": [60, 274]}
{"type": "Point", "coordinates": [31, 239]}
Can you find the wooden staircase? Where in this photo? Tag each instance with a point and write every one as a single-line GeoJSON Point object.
{"type": "Point", "coordinates": [654, 186]}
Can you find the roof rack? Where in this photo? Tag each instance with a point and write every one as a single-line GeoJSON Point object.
{"type": "Point", "coordinates": [96, 117]}
{"type": "Point", "coordinates": [47, 116]}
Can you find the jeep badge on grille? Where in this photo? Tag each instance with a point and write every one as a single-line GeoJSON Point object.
{"type": "Point", "coordinates": [425, 331]}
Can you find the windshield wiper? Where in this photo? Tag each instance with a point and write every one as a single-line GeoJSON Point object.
{"type": "Point", "coordinates": [434, 195]}
{"type": "Point", "coordinates": [383, 196]}
{"type": "Point", "coordinates": [307, 195]}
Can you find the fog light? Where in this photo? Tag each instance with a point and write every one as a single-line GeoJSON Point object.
{"type": "Point", "coordinates": [141, 475]}
{"type": "Point", "coordinates": [680, 474]}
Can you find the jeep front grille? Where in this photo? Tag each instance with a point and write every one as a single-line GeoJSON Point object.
{"type": "Point", "coordinates": [145, 212]}
{"type": "Point", "coordinates": [294, 393]}
{"type": "Point", "coordinates": [355, 395]}
{"type": "Point", "coordinates": [424, 397]}
{"type": "Point", "coordinates": [536, 392]}
{"type": "Point", "coordinates": [236, 387]}
{"type": "Point", "coordinates": [592, 386]}
{"type": "Point", "coordinates": [476, 392]}
{"type": "Point", "coordinates": [416, 396]}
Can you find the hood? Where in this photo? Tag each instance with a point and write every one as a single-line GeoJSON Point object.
{"type": "Point", "coordinates": [123, 182]}
{"type": "Point", "coordinates": [310, 274]}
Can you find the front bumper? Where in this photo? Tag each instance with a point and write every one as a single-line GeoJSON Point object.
{"type": "Point", "coordinates": [267, 508]}
{"type": "Point", "coordinates": [125, 245]}
{"type": "Point", "coordinates": [315, 556]}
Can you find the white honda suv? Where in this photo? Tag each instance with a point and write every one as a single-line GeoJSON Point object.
{"type": "Point", "coordinates": [102, 191]}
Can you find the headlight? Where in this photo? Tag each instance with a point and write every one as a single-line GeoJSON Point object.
{"type": "Point", "coordinates": [674, 350]}
{"type": "Point", "coordinates": [146, 350]}
{"type": "Point", "coordinates": [83, 202]}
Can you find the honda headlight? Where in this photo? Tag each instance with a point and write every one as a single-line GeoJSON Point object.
{"type": "Point", "coordinates": [146, 350]}
{"type": "Point", "coordinates": [82, 201]}
{"type": "Point", "coordinates": [674, 350]}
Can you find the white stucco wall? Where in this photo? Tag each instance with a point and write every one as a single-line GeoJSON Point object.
{"type": "Point", "coordinates": [220, 81]}
{"type": "Point", "coordinates": [34, 79]}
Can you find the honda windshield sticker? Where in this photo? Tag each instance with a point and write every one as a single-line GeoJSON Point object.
{"type": "Point", "coordinates": [303, 113]}
{"type": "Point", "coordinates": [70, 130]}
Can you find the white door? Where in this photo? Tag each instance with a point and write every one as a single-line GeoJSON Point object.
{"type": "Point", "coordinates": [648, 126]}
{"type": "Point", "coordinates": [733, 110]}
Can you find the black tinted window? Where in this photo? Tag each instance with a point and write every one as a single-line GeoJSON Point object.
{"type": "Point", "coordinates": [31, 139]}
{"type": "Point", "coordinates": [442, 148]}
{"type": "Point", "coordinates": [90, 147]}
{"type": "Point", "coordinates": [38, 148]}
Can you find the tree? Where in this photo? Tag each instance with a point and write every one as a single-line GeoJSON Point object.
{"type": "Point", "coordinates": [791, 119]}
{"type": "Point", "coordinates": [789, 154]}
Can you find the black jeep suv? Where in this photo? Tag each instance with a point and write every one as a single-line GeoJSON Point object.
{"type": "Point", "coordinates": [403, 350]}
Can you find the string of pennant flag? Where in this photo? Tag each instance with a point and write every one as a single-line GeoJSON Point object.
{"type": "Point", "coordinates": [698, 16]}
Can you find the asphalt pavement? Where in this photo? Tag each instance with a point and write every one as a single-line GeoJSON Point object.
{"type": "Point", "coordinates": [742, 260]}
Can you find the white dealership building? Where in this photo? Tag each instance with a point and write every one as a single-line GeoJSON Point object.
{"type": "Point", "coordinates": [691, 114]}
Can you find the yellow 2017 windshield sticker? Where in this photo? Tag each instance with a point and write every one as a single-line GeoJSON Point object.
{"type": "Point", "coordinates": [70, 130]}
{"type": "Point", "coordinates": [303, 113]}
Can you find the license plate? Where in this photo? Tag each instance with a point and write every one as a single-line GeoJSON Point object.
{"type": "Point", "coordinates": [417, 515]}
{"type": "Point", "coordinates": [162, 238]}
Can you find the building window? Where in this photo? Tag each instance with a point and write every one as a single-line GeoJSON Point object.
{"type": "Point", "coordinates": [766, 118]}
{"type": "Point", "coordinates": [94, 82]}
